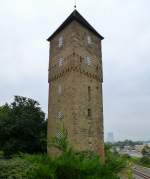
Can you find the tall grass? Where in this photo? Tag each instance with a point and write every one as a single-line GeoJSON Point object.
{"type": "Point", "coordinates": [68, 165]}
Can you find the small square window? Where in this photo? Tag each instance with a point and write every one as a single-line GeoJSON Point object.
{"type": "Point", "coordinates": [88, 60]}
{"type": "Point", "coordinates": [60, 61]}
{"type": "Point", "coordinates": [59, 134]}
{"type": "Point", "coordinates": [60, 42]}
{"type": "Point", "coordinates": [89, 40]}
{"type": "Point", "coordinates": [60, 115]}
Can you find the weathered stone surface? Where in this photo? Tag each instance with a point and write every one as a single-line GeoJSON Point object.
{"type": "Point", "coordinates": [82, 115]}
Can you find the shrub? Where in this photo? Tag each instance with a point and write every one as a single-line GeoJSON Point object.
{"type": "Point", "coordinates": [68, 165]}
{"type": "Point", "coordinates": [73, 165]}
{"type": "Point", "coordinates": [17, 168]}
{"type": "Point", "coordinates": [22, 127]}
{"type": "Point", "coordinates": [145, 161]}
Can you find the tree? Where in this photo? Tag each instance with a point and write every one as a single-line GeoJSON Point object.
{"type": "Point", "coordinates": [22, 127]}
{"type": "Point", "coordinates": [146, 151]}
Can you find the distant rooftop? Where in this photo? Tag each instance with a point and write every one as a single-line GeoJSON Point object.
{"type": "Point", "coordinates": [75, 15]}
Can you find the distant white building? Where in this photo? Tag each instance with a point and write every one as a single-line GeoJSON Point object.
{"type": "Point", "coordinates": [139, 148]}
{"type": "Point", "coordinates": [132, 151]}
{"type": "Point", "coordinates": [110, 137]}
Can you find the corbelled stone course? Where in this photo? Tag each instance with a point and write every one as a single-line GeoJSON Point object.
{"type": "Point", "coordinates": [79, 103]}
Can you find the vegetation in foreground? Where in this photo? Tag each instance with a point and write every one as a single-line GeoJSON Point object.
{"type": "Point", "coordinates": [69, 165]}
{"type": "Point", "coordinates": [23, 129]}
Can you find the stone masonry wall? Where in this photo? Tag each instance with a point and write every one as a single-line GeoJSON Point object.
{"type": "Point", "coordinates": [81, 114]}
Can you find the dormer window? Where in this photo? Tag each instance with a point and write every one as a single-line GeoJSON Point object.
{"type": "Point", "coordinates": [61, 40]}
{"type": "Point", "coordinates": [89, 40]}
{"type": "Point", "coordinates": [60, 61]}
{"type": "Point", "coordinates": [88, 60]}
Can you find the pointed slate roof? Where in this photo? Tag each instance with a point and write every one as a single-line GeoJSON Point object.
{"type": "Point", "coordinates": [75, 15]}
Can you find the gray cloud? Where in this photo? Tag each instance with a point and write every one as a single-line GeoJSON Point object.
{"type": "Point", "coordinates": [25, 25]}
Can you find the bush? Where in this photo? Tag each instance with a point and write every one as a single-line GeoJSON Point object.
{"type": "Point", "coordinates": [71, 166]}
{"type": "Point", "coordinates": [23, 127]}
{"type": "Point", "coordinates": [68, 165]}
{"type": "Point", "coordinates": [16, 168]}
{"type": "Point", "coordinates": [145, 161]}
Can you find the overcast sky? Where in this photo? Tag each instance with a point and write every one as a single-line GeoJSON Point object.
{"type": "Point", "coordinates": [125, 24]}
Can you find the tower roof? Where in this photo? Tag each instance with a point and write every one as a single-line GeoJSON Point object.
{"type": "Point", "coordinates": [75, 15]}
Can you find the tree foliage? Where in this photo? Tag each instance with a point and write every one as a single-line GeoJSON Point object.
{"type": "Point", "coordinates": [146, 151]}
{"type": "Point", "coordinates": [16, 168]}
{"type": "Point", "coordinates": [22, 127]}
{"type": "Point", "coordinates": [126, 142]}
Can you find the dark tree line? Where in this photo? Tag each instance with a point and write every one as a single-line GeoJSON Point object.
{"type": "Point", "coordinates": [131, 143]}
{"type": "Point", "coordinates": [22, 127]}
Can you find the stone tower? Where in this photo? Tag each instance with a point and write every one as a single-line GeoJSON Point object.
{"type": "Point", "coordinates": [75, 85]}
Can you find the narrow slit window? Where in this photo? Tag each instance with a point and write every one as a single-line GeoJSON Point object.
{"type": "Point", "coordinates": [60, 43]}
{"type": "Point", "coordinates": [89, 41]}
{"type": "Point", "coordinates": [89, 93]}
{"type": "Point", "coordinates": [89, 112]}
{"type": "Point", "coordinates": [59, 89]}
